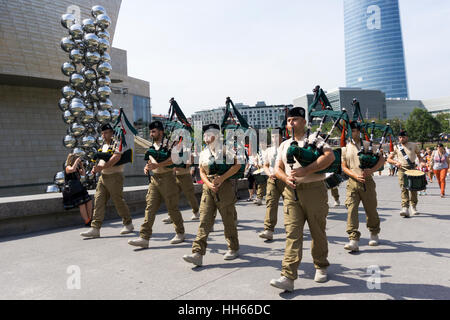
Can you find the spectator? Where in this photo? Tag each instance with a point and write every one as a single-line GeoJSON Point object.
{"type": "Point", "coordinates": [441, 162]}
{"type": "Point", "coordinates": [75, 194]}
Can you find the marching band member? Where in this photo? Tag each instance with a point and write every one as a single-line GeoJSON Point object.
{"type": "Point", "coordinates": [311, 206]}
{"type": "Point", "coordinates": [110, 185]}
{"type": "Point", "coordinates": [360, 187]}
{"type": "Point", "coordinates": [275, 187]}
{"type": "Point", "coordinates": [218, 194]}
{"type": "Point", "coordinates": [406, 154]}
{"type": "Point", "coordinates": [261, 187]}
{"type": "Point", "coordinates": [161, 189]}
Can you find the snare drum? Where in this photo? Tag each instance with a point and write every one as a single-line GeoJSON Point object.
{"type": "Point", "coordinates": [260, 176]}
{"type": "Point", "coordinates": [415, 180]}
{"type": "Point", "coordinates": [333, 180]}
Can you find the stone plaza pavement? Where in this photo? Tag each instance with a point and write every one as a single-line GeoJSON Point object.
{"type": "Point", "coordinates": [413, 259]}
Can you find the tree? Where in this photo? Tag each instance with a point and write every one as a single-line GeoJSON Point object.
{"type": "Point", "coordinates": [422, 126]}
{"type": "Point", "coordinates": [444, 119]}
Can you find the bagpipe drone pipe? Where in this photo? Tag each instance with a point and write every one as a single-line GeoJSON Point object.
{"type": "Point", "coordinates": [368, 158]}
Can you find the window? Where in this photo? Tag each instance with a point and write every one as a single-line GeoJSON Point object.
{"type": "Point", "coordinates": [141, 115]}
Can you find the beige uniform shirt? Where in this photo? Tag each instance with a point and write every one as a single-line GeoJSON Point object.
{"type": "Point", "coordinates": [114, 169]}
{"type": "Point", "coordinates": [152, 160]}
{"type": "Point", "coordinates": [282, 156]}
{"type": "Point", "coordinates": [351, 158]}
{"type": "Point", "coordinates": [411, 149]}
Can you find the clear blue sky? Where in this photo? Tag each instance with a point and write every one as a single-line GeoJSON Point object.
{"type": "Point", "coordinates": [201, 51]}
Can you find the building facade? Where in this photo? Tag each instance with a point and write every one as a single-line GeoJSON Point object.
{"type": "Point", "coordinates": [374, 53]}
{"type": "Point", "coordinates": [31, 126]}
{"type": "Point", "coordinates": [259, 116]}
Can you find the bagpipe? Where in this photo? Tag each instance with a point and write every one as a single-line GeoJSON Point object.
{"type": "Point", "coordinates": [313, 150]}
{"type": "Point", "coordinates": [165, 150]}
{"type": "Point", "coordinates": [368, 158]}
{"type": "Point", "coordinates": [229, 123]}
{"type": "Point", "coordinates": [118, 142]}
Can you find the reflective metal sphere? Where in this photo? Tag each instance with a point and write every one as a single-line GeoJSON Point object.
{"type": "Point", "coordinates": [91, 128]}
{"type": "Point", "coordinates": [97, 10]}
{"type": "Point", "coordinates": [76, 31]}
{"type": "Point", "coordinates": [68, 69]}
{"type": "Point", "coordinates": [105, 57]}
{"type": "Point", "coordinates": [104, 81]}
{"type": "Point", "coordinates": [88, 142]}
{"type": "Point", "coordinates": [88, 25]}
{"type": "Point", "coordinates": [115, 115]}
{"type": "Point", "coordinates": [77, 108]}
{"type": "Point", "coordinates": [88, 117]}
{"type": "Point", "coordinates": [87, 85]}
{"type": "Point", "coordinates": [77, 80]}
{"type": "Point", "coordinates": [103, 116]}
{"type": "Point", "coordinates": [104, 35]}
{"type": "Point", "coordinates": [63, 104]}
{"type": "Point", "coordinates": [92, 93]}
{"type": "Point", "coordinates": [59, 178]}
{"type": "Point", "coordinates": [104, 69]}
{"type": "Point", "coordinates": [79, 152]}
{"type": "Point", "coordinates": [68, 92]}
{"type": "Point", "coordinates": [90, 74]}
{"type": "Point", "coordinates": [67, 20]}
{"type": "Point", "coordinates": [77, 129]}
{"type": "Point", "coordinates": [91, 41]}
{"type": "Point", "coordinates": [103, 21]}
{"type": "Point", "coordinates": [90, 153]}
{"type": "Point", "coordinates": [100, 141]}
{"type": "Point", "coordinates": [103, 45]}
{"type": "Point", "coordinates": [76, 56]}
{"type": "Point", "coordinates": [105, 105]}
{"type": "Point", "coordinates": [68, 117]}
{"type": "Point", "coordinates": [92, 58]}
{"type": "Point", "coordinates": [103, 93]}
{"type": "Point", "coordinates": [70, 141]}
{"type": "Point", "coordinates": [67, 44]}
{"type": "Point", "coordinates": [52, 189]}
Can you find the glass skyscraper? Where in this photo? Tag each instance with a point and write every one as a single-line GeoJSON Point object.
{"type": "Point", "coordinates": [374, 56]}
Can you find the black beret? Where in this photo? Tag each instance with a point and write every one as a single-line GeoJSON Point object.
{"type": "Point", "coordinates": [297, 112]}
{"type": "Point", "coordinates": [355, 125]}
{"type": "Point", "coordinates": [403, 133]}
{"type": "Point", "coordinates": [156, 125]}
{"type": "Point", "coordinates": [106, 127]}
{"type": "Point", "coordinates": [211, 126]}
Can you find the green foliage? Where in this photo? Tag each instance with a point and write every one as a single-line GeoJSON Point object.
{"type": "Point", "coordinates": [444, 120]}
{"type": "Point", "coordinates": [422, 126]}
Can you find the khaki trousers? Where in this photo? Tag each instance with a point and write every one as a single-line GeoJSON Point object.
{"type": "Point", "coordinates": [261, 190]}
{"type": "Point", "coordinates": [312, 207]}
{"type": "Point", "coordinates": [186, 185]}
{"type": "Point", "coordinates": [209, 204]}
{"type": "Point", "coordinates": [408, 197]}
{"type": "Point", "coordinates": [110, 186]}
{"type": "Point", "coordinates": [274, 192]}
{"type": "Point", "coordinates": [335, 194]}
{"type": "Point", "coordinates": [356, 194]}
{"type": "Point", "coordinates": [161, 189]}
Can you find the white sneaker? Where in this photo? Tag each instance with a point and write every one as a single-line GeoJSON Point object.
{"type": "Point", "coordinates": [352, 246]}
{"type": "Point", "coordinates": [337, 204]}
{"type": "Point", "coordinates": [404, 212]}
{"type": "Point", "coordinates": [179, 238]}
{"type": "Point", "coordinates": [283, 283]}
{"type": "Point", "coordinates": [321, 275]}
{"type": "Point", "coordinates": [414, 211]}
{"type": "Point", "coordinates": [231, 255]}
{"type": "Point", "coordinates": [91, 233]}
{"type": "Point", "coordinates": [195, 216]}
{"type": "Point", "coordinates": [195, 258]}
{"type": "Point", "coordinates": [143, 243]}
{"type": "Point", "coordinates": [167, 220]}
{"type": "Point", "coordinates": [266, 234]}
{"type": "Point", "coordinates": [127, 229]}
{"type": "Point", "coordinates": [258, 202]}
{"type": "Point", "coordinates": [373, 240]}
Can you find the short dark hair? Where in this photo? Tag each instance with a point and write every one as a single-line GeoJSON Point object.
{"type": "Point", "coordinates": [156, 125]}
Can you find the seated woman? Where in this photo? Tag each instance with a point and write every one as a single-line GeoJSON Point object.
{"type": "Point", "coordinates": [77, 195]}
{"type": "Point", "coordinates": [218, 194]}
